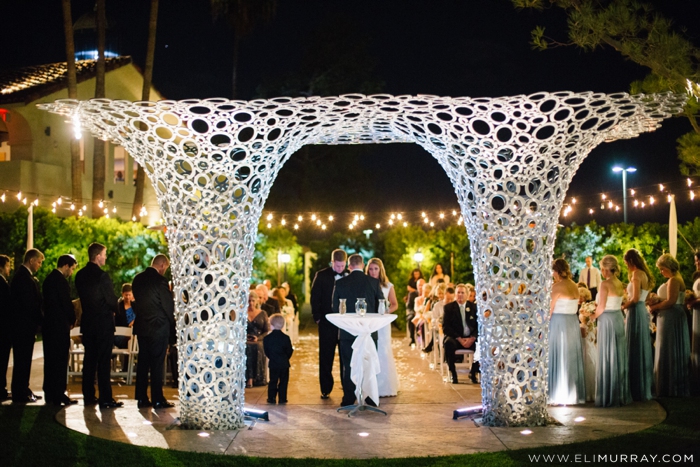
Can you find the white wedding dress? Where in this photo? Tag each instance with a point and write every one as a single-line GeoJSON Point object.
{"type": "Point", "coordinates": [388, 378]}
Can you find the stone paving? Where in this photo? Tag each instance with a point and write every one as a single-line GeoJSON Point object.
{"type": "Point", "coordinates": [418, 421]}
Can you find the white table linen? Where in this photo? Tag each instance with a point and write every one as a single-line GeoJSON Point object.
{"type": "Point", "coordinates": [364, 365]}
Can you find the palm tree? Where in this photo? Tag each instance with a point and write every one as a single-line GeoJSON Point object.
{"type": "Point", "coordinates": [146, 95]}
{"type": "Point", "coordinates": [243, 16]}
{"type": "Point", "coordinates": [75, 165]}
{"type": "Point", "coordinates": [98, 158]}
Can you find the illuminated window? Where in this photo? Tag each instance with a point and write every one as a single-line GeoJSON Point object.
{"type": "Point", "coordinates": [119, 164]}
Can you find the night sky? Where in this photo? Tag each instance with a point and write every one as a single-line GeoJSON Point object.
{"type": "Point", "coordinates": [452, 48]}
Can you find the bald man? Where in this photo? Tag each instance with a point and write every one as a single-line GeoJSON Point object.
{"type": "Point", "coordinates": [154, 308]}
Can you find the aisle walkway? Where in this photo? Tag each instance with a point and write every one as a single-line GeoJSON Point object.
{"type": "Point", "coordinates": [419, 420]}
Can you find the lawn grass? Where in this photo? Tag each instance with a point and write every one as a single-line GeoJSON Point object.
{"type": "Point", "coordinates": [30, 436]}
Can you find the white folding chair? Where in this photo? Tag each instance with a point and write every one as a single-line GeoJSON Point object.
{"type": "Point", "coordinates": [75, 356]}
{"type": "Point", "coordinates": [124, 331]}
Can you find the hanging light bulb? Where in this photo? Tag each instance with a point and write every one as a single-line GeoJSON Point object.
{"type": "Point", "coordinates": [690, 182]}
{"type": "Point", "coordinates": [283, 222]}
{"type": "Point", "coordinates": [632, 192]}
{"type": "Point", "coordinates": [651, 200]}
{"type": "Point", "coordinates": [391, 221]}
{"type": "Point", "coordinates": [269, 217]}
{"type": "Point", "coordinates": [300, 218]}
{"type": "Point", "coordinates": [318, 221]}
{"type": "Point", "coordinates": [323, 227]}
{"type": "Point", "coordinates": [573, 200]}
{"type": "Point", "coordinates": [296, 226]}
{"type": "Point", "coordinates": [313, 217]}
{"type": "Point", "coordinates": [36, 202]}
{"type": "Point", "coordinates": [351, 226]}
{"type": "Point", "coordinates": [590, 211]}
{"type": "Point", "coordinates": [3, 197]}
{"type": "Point", "coordinates": [59, 201]}
{"type": "Point", "coordinates": [378, 226]}
{"type": "Point", "coordinates": [422, 214]}
{"type": "Point", "coordinates": [636, 203]}
{"type": "Point", "coordinates": [84, 208]}
{"type": "Point", "coordinates": [442, 215]}
{"type": "Point", "coordinates": [454, 213]}
{"type": "Point", "coordinates": [399, 216]}
{"type": "Point", "coordinates": [19, 196]}
{"type": "Point", "coordinates": [432, 224]}
{"type": "Point", "coordinates": [604, 196]}
{"type": "Point", "coordinates": [393, 216]}
{"type": "Point", "coordinates": [330, 218]}
{"type": "Point", "coordinates": [692, 196]}
{"type": "Point", "coordinates": [362, 217]}
{"type": "Point", "coordinates": [405, 224]}
{"type": "Point", "coordinates": [72, 207]}
{"type": "Point", "coordinates": [101, 204]}
{"type": "Point", "coordinates": [269, 225]}
{"type": "Point", "coordinates": [114, 209]}
{"type": "Point", "coordinates": [661, 187]}
{"type": "Point", "coordinates": [133, 218]}
{"type": "Point", "coordinates": [610, 204]}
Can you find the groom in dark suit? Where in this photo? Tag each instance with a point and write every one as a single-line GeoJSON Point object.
{"type": "Point", "coordinates": [321, 305]}
{"type": "Point", "coordinates": [461, 330]}
{"type": "Point", "coordinates": [355, 285]}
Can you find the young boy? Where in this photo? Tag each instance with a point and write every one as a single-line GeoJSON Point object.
{"type": "Point", "coordinates": [278, 350]}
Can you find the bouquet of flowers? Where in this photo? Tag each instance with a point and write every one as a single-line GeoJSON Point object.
{"type": "Point", "coordinates": [652, 299]}
{"type": "Point", "coordinates": [588, 324]}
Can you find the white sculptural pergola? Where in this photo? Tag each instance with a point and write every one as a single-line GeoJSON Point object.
{"type": "Point", "coordinates": [510, 160]}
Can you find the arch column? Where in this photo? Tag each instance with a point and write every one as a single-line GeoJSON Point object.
{"type": "Point", "coordinates": [510, 160]}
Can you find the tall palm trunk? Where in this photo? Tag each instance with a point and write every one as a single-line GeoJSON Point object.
{"type": "Point", "coordinates": [98, 157]}
{"type": "Point", "coordinates": [146, 95]}
{"type": "Point", "coordinates": [76, 169]}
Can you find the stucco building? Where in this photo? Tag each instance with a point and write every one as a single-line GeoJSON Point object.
{"type": "Point", "coordinates": [35, 145]}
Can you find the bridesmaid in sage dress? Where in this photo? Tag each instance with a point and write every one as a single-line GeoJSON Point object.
{"type": "Point", "coordinates": [639, 352]}
{"type": "Point", "coordinates": [612, 379]}
{"type": "Point", "coordinates": [257, 329]}
{"type": "Point", "coordinates": [672, 358]}
{"type": "Point", "coordinates": [567, 384]}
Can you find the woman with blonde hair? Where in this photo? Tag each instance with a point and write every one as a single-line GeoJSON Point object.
{"type": "Point", "coordinates": [639, 352]}
{"type": "Point", "coordinates": [567, 384]}
{"type": "Point", "coordinates": [388, 378]}
{"type": "Point", "coordinates": [612, 377]}
{"type": "Point", "coordinates": [672, 357]}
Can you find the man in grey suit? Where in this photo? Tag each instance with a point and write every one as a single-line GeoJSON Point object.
{"type": "Point", "coordinates": [351, 287]}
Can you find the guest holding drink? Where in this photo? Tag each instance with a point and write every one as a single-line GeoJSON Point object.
{"type": "Point", "coordinates": [639, 354]}
{"type": "Point", "coordinates": [612, 378]}
{"type": "Point", "coordinates": [672, 340]}
{"type": "Point", "coordinates": [567, 383]}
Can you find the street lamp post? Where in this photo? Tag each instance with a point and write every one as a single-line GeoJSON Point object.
{"type": "Point", "coordinates": [624, 187]}
{"type": "Point", "coordinates": [284, 258]}
{"type": "Point", "coordinates": [418, 258]}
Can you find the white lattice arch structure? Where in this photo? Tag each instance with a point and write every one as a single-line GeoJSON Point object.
{"type": "Point", "coordinates": [510, 160]}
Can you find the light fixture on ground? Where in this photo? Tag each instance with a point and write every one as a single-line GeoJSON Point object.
{"type": "Point", "coordinates": [509, 159]}
{"type": "Point", "coordinates": [624, 187]}
{"type": "Point", "coordinates": [467, 411]}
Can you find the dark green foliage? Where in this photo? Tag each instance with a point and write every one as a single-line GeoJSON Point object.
{"type": "Point", "coordinates": [130, 246]}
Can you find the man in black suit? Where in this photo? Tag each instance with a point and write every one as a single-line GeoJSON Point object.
{"type": "Point", "coordinates": [321, 305]}
{"type": "Point", "coordinates": [459, 324]}
{"type": "Point", "coordinates": [99, 304]}
{"type": "Point", "coordinates": [154, 308]}
{"type": "Point", "coordinates": [5, 331]}
{"type": "Point", "coordinates": [355, 285]}
{"type": "Point", "coordinates": [25, 322]}
{"type": "Point", "coordinates": [59, 318]}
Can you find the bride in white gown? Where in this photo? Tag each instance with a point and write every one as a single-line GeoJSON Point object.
{"type": "Point", "coordinates": [388, 378]}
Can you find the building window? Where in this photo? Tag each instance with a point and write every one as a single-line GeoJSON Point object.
{"type": "Point", "coordinates": [4, 136]}
{"type": "Point", "coordinates": [119, 165]}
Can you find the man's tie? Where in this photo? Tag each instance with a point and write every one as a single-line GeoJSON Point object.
{"type": "Point", "coordinates": [588, 281]}
{"type": "Point", "coordinates": [464, 320]}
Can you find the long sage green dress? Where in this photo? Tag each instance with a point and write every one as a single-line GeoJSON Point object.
{"type": "Point", "coordinates": [567, 384]}
{"type": "Point", "coordinates": [639, 352]}
{"type": "Point", "coordinates": [672, 360]}
{"type": "Point", "coordinates": [612, 370]}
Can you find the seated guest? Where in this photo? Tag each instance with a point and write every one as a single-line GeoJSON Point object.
{"type": "Point", "coordinates": [267, 303]}
{"type": "Point", "coordinates": [471, 303]}
{"type": "Point", "coordinates": [278, 350]}
{"type": "Point", "coordinates": [124, 316]}
{"type": "Point", "coordinates": [460, 329]}
{"type": "Point", "coordinates": [439, 308]}
{"type": "Point", "coordinates": [258, 327]}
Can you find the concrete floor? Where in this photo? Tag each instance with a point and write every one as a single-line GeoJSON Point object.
{"type": "Point", "coordinates": [419, 420]}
